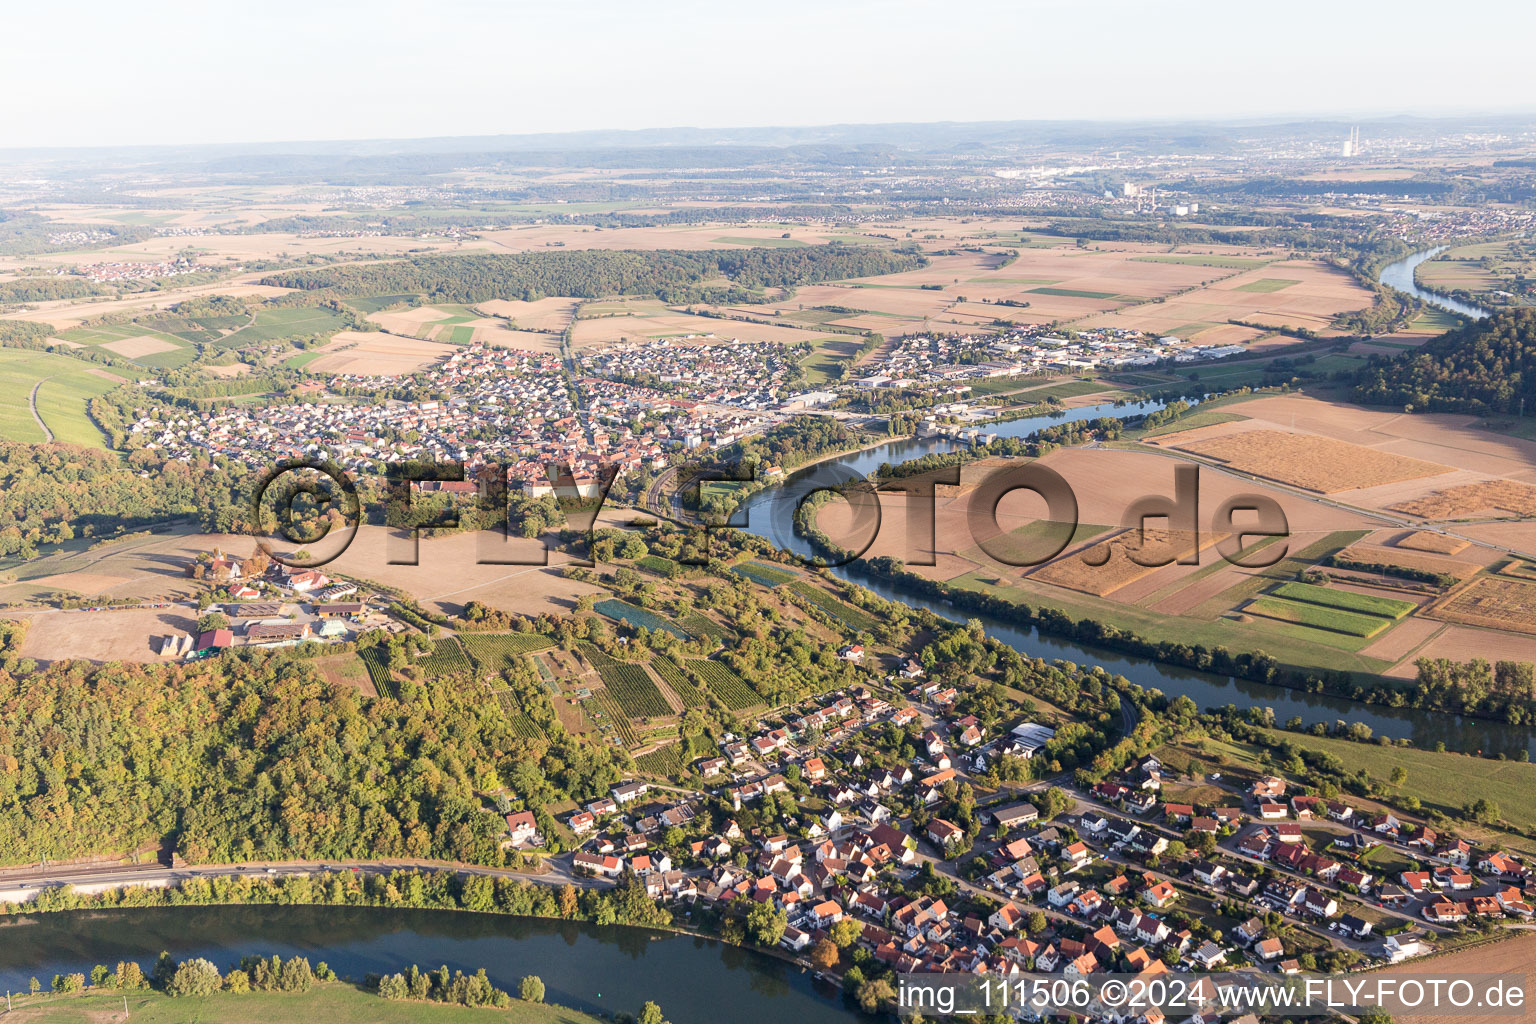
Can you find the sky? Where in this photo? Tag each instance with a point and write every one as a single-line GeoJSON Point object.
{"type": "Point", "coordinates": [103, 72]}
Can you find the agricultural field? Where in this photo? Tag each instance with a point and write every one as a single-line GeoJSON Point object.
{"type": "Point", "coordinates": [1334, 620]}
{"type": "Point", "coordinates": [610, 715]}
{"type": "Point", "coordinates": [496, 652]}
{"type": "Point", "coordinates": [628, 684]}
{"type": "Point", "coordinates": [1312, 462]}
{"type": "Point", "coordinates": [346, 670]}
{"type": "Point", "coordinates": [1486, 497]}
{"type": "Point", "coordinates": [1495, 602]}
{"type": "Point", "coordinates": [135, 342]}
{"type": "Point", "coordinates": [283, 323]}
{"type": "Point", "coordinates": [63, 388]}
{"type": "Point", "coordinates": [663, 567]}
{"type": "Point", "coordinates": [622, 611]}
{"type": "Point", "coordinates": [853, 618]}
{"type": "Point", "coordinates": [1347, 600]}
{"type": "Point", "coordinates": [1376, 554]}
{"type": "Point", "coordinates": [1104, 568]}
{"type": "Point", "coordinates": [373, 354]}
{"type": "Point", "coordinates": [377, 664]}
{"type": "Point", "coordinates": [701, 625]}
{"type": "Point", "coordinates": [731, 690]}
{"type": "Point", "coordinates": [764, 575]}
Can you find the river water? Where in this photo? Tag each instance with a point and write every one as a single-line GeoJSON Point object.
{"type": "Point", "coordinates": [770, 514]}
{"type": "Point", "coordinates": [1399, 275]}
{"type": "Point", "coordinates": [599, 970]}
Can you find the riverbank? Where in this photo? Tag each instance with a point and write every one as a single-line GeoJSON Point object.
{"type": "Point", "coordinates": [333, 1002]}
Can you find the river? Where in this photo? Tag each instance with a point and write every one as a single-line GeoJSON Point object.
{"type": "Point", "coordinates": [769, 514]}
{"type": "Point", "coordinates": [598, 970]}
{"type": "Point", "coordinates": [1399, 275]}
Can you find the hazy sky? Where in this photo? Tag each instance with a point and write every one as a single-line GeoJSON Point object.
{"type": "Point", "coordinates": [95, 72]}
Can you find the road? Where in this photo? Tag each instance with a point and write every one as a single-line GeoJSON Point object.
{"type": "Point", "coordinates": [32, 403]}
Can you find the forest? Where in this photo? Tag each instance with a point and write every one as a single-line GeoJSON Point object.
{"type": "Point", "coordinates": [253, 757]}
{"type": "Point", "coordinates": [675, 275]}
{"type": "Point", "coordinates": [1481, 369]}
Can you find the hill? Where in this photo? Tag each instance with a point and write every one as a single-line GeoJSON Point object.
{"type": "Point", "coordinates": [1485, 368]}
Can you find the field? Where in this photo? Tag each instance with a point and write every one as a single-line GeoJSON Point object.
{"type": "Point", "coordinates": [346, 670]}
{"type": "Point", "coordinates": [373, 354]}
{"type": "Point", "coordinates": [764, 575]}
{"type": "Point", "coordinates": [495, 652]}
{"type": "Point", "coordinates": [628, 684]}
{"type": "Point", "coordinates": [701, 625]}
{"type": "Point", "coordinates": [726, 685]}
{"type": "Point", "coordinates": [1496, 602]}
{"type": "Point", "coordinates": [1267, 284]}
{"type": "Point", "coordinates": [64, 388]}
{"type": "Point", "coordinates": [336, 1003]}
{"type": "Point", "coordinates": [1106, 567]}
{"type": "Point", "coordinates": [284, 323]}
{"type": "Point", "coordinates": [1376, 554]}
{"type": "Point", "coordinates": [636, 617]}
{"type": "Point", "coordinates": [1314, 463]}
{"type": "Point", "coordinates": [375, 661]}
{"type": "Point", "coordinates": [1317, 616]}
{"type": "Point", "coordinates": [137, 342]}
{"type": "Point", "coordinates": [855, 619]}
{"type": "Point", "coordinates": [663, 567]}
{"type": "Point", "coordinates": [1434, 543]}
{"type": "Point", "coordinates": [1347, 600]}
{"type": "Point", "coordinates": [1482, 498]}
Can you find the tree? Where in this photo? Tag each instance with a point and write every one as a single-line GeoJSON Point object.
{"type": "Point", "coordinates": [824, 955]}
{"type": "Point", "coordinates": [875, 994]}
{"type": "Point", "coordinates": [650, 1013]}
{"type": "Point", "coordinates": [1035, 922]}
{"type": "Point", "coordinates": [845, 933]}
{"type": "Point", "coordinates": [766, 924]}
{"type": "Point", "coordinates": [212, 621]}
{"type": "Point", "coordinates": [196, 977]}
{"type": "Point", "coordinates": [1399, 775]}
{"type": "Point", "coordinates": [531, 989]}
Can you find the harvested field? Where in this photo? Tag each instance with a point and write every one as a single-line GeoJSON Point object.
{"type": "Point", "coordinates": [142, 345]}
{"type": "Point", "coordinates": [375, 354]}
{"type": "Point", "coordinates": [1435, 543]}
{"type": "Point", "coordinates": [128, 635]}
{"type": "Point", "coordinates": [1376, 554]}
{"type": "Point", "coordinates": [1494, 602]}
{"type": "Point", "coordinates": [1464, 644]}
{"type": "Point", "coordinates": [610, 329]}
{"type": "Point", "coordinates": [1310, 461]}
{"type": "Point", "coordinates": [1402, 641]}
{"type": "Point", "coordinates": [1511, 955]}
{"type": "Point", "coordinates": [87, 584]}
{"type": "Point", "coordinates": [1483, 498]}
{"type": "Point", "coordinates": [552, 314]}
{"type": "Point", "coordinates": [1115, 568]}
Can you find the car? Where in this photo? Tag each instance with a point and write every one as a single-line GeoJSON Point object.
{"type": "Point", "coordinates": [271, 871]}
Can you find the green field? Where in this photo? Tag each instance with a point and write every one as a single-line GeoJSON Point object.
{"type": "Point", "coordinates": [67, 386]}
{"type": "Point", "coordinates": [284, 323]}
{"type": "Point", "coordinates": [1193, 420]}
{"type": "Point", "coordinates": [334, 1003]}
{"type": "Point", "coordinates": [1318, 617]}
{"type": "Point", "coordinates": [663, 567]}
{"type": "Point", "coordinates": [1079, 293]}
{"type": "Point", "coordinates": [1267, 284]}
{"type": "Point", "coordinates": [107, 334]}
{"type": "Point", "coordinates": [1196, 260]}
{"type": "Point", "coordinates": [1435, 319]}
{"type": "Point", "coordinates": [301, 360]}
{"type": "Point", "coordinates": [1349, 601]}
{"type": "Point", "coordinates": [1068, 389]}
{"type": "Point", "coordinates": [827, 354]}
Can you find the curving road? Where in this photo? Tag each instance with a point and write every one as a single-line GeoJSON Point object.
{"type": "Point", "coordinates": [32, 404]}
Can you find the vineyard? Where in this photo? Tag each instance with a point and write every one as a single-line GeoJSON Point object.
{"type": "Point", "coordinates": [622, 610]}
{"type": "Point", "coordinates": [725, 684]}
{"type": "Point", "coordinates": [667, 760]}
{"type": "Point", "coordinates": [628, 684]}
{"type": "Point", "coordinates": [522, 726]}
{"type": "Point", "coordinates": [854, 618]}
{"type": "Point", "coordinates": [700, 625]}
{"type": "Point", "coordinates": [764, 575]}
{"type": "Point", "coordinates": [676, 678]}
{"type": "Point", "coordinates": [663, 567]}
{"type": "Point", "coordinates": [376, 661]}
{"type": "Point", "coordinates": [611, 714]}
{"type": "Point", "coordinates": [447, 657]}
{"type": "Point", "coordinates": [494, 652]}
